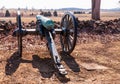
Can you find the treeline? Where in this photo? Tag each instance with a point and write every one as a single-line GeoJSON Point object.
{"type": "Point", "coordinates": [49, 13]}
{"type": "Point", "coordinates": [13, 14]}
{"type": "Point", "coordinates": [82, 12]}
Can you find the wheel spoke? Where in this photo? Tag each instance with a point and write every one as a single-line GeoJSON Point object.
{"type": "Point", "coordinates": [68, 17]}
{"type": "Point", "coordinates": [70, 25]}
{"type": "Point", "coordinates": [69, 43]}
{"type": "Point", "coordinates": [70, 21]}
{"type": "Point", "coordinates": [65, 23]}
{"type": "Point", "coordinates": [71, 37]}
{"type": "Point", "coordinates": [65, 45]}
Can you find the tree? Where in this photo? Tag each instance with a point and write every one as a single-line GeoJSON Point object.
{"type": "Point", "coordinates": [55, 13]}
{"type": "Point", "coordinates": [49, 14]}
{"type": "Point", "coordinates": [96, 9]}
{"type": "Point", "coordinates": [7, 14]}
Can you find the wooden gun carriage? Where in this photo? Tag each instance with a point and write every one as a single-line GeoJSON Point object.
{"type": "Point", "coordinates": [45, 28]}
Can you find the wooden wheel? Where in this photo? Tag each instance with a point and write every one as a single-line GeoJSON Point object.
{"type": "Point", "coordinates": [68, 35]}
{"type": "Point", "coordinates": [19, 34]}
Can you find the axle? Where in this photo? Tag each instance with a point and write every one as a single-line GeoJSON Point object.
{"type": "Point", "coordinates": [32, 32]}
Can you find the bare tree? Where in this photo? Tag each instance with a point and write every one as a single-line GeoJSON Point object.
{"type": "Point", "coordinates": [96, 9]}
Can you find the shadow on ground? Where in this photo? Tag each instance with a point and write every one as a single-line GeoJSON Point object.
{"type": "Point", "coordinates": [12, 64]}
{"type": "Point", "coordinates": [70, 61]}
{"type": "Point", "coordinates": [44, 65]}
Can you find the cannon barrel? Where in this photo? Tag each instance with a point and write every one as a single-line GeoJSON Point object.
{"type": "Point", "coordinates": [46, 22]}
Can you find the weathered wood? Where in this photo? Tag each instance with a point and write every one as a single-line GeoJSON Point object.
{"type": "Point", "coordinates": [96, 9]}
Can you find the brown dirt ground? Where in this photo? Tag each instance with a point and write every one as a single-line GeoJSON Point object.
{"type": "Point", "coordinates": [36, 66]}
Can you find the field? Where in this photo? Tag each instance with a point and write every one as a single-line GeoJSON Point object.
{"type": "Point", "coordinates": [95, 59]}
{"type": "Point", "coordinates": [104, 16]}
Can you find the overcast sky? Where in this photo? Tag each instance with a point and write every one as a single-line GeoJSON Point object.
{"type": "Point", "coordinates": [55, 4]}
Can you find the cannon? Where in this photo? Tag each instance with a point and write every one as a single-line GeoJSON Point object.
{"type": "Point", "coordinates": [45, 28]}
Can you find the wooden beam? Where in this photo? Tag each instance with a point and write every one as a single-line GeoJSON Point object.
{"type": "Point", "coordinates": [96, 9]}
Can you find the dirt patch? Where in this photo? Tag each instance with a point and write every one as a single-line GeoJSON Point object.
{"type": "Point", "coordinates": [36, 66]}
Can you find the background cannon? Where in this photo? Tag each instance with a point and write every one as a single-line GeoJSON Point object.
{"type": "Point", "coordinates": [45, 28]}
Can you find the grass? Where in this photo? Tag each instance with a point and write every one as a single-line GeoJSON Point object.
{"type": "Point", "coordinates": [104, 16]}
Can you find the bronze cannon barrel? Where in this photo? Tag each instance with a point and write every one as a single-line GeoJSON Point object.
{"type": "Point", "coordinates": [46, 22]}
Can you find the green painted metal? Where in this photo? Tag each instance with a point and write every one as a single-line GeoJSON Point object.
{"type": "Point", "coordinates": [46, 22]}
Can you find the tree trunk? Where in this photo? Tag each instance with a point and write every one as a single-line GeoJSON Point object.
{"type": "Point", "coordinates": [96, 9]}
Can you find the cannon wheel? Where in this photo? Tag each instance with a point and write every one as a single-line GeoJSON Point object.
{"type": "Point", "coordinates": [68, 35]}
{"type": "Point", "coordinates": [19, 34]}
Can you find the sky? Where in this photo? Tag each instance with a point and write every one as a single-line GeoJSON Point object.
{"type": "Point", "coordinates": [56, 4]}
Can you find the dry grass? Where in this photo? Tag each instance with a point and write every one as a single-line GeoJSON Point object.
{"type": "Point", "coordinates": [104, 16]}
{"type": "Point", "coordinates": [27, 19]}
